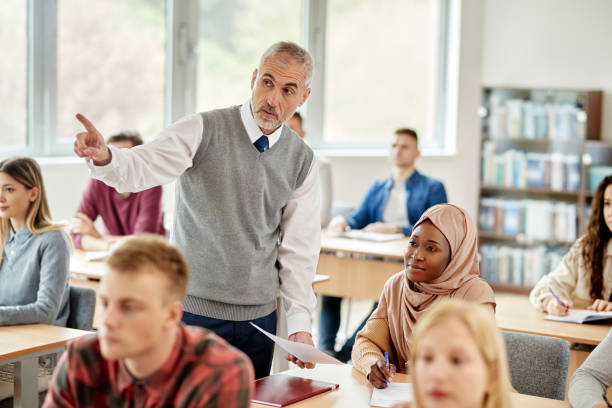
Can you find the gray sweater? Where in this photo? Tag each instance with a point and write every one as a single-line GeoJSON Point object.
{"type": "Point", "coordinates": [34, 278]}
{"type": "Point", "coordinates": [229, 206]}
{"type": "Point", "coordinates": [590, 382]}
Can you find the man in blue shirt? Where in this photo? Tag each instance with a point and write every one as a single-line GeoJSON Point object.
{"type": "Point", "coordinates": [390, 206]}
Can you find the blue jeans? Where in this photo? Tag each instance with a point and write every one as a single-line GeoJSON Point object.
{"type": "Point", "coordinates": [329, 323]}
{"type": "Point", "coordinates": [243, 336]}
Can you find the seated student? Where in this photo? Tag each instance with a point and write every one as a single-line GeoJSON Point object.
{"type": "Point", "coordinates": [458, 359]}
{"type": "Point", "coordinates": [35, 255]}
{"type": "Point", "coordinates": [295, 124]}
{"type": "Point", "coordinates": [590, 382]}
{"type": "Point", "coordinates": [142, 355]}
{"type": "Point", "coordinates": [583, 279]}
{"type": "Point", "coordinates": [389, 206]}
{"type": "Point", "coordinates": [122, 213]}
{"type": "Point", "coordinates": [441, 261]}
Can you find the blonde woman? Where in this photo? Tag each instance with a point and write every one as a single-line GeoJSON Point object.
{"type": "Point", "coordinates": [34, 252]}
{"type": "Point", "coordinates": [458, 359]}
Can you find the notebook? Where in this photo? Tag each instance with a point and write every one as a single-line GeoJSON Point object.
{"type": "Point", "coordinates": [581, 316]}
{"type": "Point", "coordinates": [280, 390]}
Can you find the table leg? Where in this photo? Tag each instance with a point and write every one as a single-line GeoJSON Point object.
{"type": "Point", "coordinates": [26, 383]}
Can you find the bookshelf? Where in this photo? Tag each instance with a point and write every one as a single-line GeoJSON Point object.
{"type": "Point", "coordinates": [541, 154]}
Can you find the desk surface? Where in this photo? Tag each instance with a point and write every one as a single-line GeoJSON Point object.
{"type": "Point", "coordinates": [355, 391]}
{"type": "Point", "coordinates": [515, 313]}
{"type": "Point", "coordinates": [25, 339]}
{"type": "Point", "coordinates": [390, 249]}
{"type": "Point", "coordinates": [89, 269]}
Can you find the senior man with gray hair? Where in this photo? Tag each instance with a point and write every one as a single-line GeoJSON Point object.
{"type": "Point", "coordinates": [247, 205]}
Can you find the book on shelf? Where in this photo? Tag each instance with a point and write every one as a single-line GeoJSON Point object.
{"type": "Point", "coordinates": [580, 316]}
{"type": "Point", "coordinates": [280, 390]}
{"type": "Point", "coordinates": [542, 220]}
{"type": "Point", "coordinates": [517, 266]}
{"type": "Point", "coordinates": [514, 118]}
{"type": "Point", "coordinates": [515, 168]}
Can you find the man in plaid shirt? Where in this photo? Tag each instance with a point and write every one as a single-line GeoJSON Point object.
{"type": "Point", "coordinates": [143, 356]}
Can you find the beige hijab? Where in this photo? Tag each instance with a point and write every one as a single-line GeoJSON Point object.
{"type": "Point", "coordinates": [403, 302]}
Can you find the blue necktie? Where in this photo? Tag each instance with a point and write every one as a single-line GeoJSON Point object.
{"type": "Point", "coordinates": [261, 143]}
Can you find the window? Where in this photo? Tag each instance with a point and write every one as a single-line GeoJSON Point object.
{"type": "Point", "coordinates": [110, 66]}
{"type": "Point", "coordinates": [13, 80]}
{"type": "Point", "coordinates": [382, 72]}
{"type": "Point", "coordinates": [232, 36]}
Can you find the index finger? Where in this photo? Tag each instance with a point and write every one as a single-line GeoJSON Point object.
{"type": "Point", "coordinates": [88, 125]}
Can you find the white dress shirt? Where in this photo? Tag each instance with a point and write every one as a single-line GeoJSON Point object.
{"type": "Point", "coordinates": [165, 158]}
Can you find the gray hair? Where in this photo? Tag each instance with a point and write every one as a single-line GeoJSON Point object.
{"type": "Point", "coordinates": [294, 51]}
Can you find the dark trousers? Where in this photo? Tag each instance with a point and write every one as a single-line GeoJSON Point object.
{"type": "Point", "coordinates": [243, 336]}
{"type": "Point", "coordinates": [329, 323]}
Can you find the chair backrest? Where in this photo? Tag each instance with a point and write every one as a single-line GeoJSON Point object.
{"type": "Point", "coordinates": [82, 307]}
{"type": "Point", "coordinates": [538, 364]}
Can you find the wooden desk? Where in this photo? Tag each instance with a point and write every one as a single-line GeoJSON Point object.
{"type": "Point", "coordinates": [357, 268]}
{"type": "Point", "coordinates": [355, 391]}
{"type": "Point", "coordinates": [22, 345]}
{"type": "Point", "coordinates": [515, 313]}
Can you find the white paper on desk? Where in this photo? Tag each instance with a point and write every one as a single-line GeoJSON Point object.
{"type": "Point", "coordinates": [96, 255]}
{"type": "Point", "coordinates": [394, 393]}
{"type": "Point", "coordinates": [304, 352]}
{"type": "Point", "coordinates": [370, 236]}
{"type": "Point", "coordinates": [580, 316]}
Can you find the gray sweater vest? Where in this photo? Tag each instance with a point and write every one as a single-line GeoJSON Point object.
{"type": "Point", "coordinates": [228, 212]}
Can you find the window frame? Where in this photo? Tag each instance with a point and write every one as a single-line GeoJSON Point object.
{"type": "Point", "coordinates": [181, 69]}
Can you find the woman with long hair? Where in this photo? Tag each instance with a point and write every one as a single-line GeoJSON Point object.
{"type": "Point", "coordinates": [458, 358]}
{"type": "Point", "coordinates": [584, 277]}
{"type": "Point", "coordinates": [441, 261]}
{"type": "Point", "coordinates": [34, 252]}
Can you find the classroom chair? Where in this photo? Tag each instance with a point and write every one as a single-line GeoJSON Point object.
{"type": "Point", "coordinates": [82, 306]}
{"type": "Point", "coordinates": [538, 364]}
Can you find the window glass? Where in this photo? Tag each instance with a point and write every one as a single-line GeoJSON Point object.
{"type": "Point", "coordinates": [232, 36]}
{"type": "Point", "coordinates": [13, 80]}
{"type": "Point", "coordinates": [111, 65]}
{"type": "Point", "coordinates": [380, 68]}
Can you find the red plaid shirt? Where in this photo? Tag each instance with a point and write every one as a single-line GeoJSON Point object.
{"type": "Point", "coordinates": [202, 371]}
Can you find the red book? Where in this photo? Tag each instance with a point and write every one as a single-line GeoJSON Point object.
{"type": "Point", "coordinates": [280, 390]}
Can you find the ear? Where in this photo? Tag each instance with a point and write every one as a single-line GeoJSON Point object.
{"type": "Point", "coordinates": [418, 153]}
{"type": "Point", "coordinates": [306, 95]}
{"type": "Point", "coordinates": [33, 194]}
{"type": "Point", "coordinates": [253, 78]}
{"type": "Point", "coordinates": [175, 314]}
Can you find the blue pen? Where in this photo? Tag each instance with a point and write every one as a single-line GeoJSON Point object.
{"type": "Point", "coordinates": [387, 362]}
{"type": "Point", "coordinates": [557, 298]}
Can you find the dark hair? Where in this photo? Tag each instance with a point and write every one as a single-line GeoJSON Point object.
{"type": "Point", "coordinates": [597, 236]}
{"type": "Point", "coordinates": [126, 136]}
{"type": "Point", "coordinates": [297, 116]}
{"type": "Point", "coordinates": [407, 131]}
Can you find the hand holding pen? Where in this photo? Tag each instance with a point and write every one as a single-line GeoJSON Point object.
{"type": "Point", "coordinates": [381, 373]}
{"type": "Point", "coordinates": [555, 305]}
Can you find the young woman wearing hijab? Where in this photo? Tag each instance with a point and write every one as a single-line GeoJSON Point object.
{"type": "Point", "coordinates": [441, 261]}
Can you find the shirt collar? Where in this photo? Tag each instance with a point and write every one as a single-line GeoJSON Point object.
{"type": "Point", "coordinates": [409, 180]}
{"type": "Point", "coordinates": [20, 236]}
{"type": "Point", "coordinates": [251, 127]}
{"type": "Point", "coordinates": [162, 378]}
